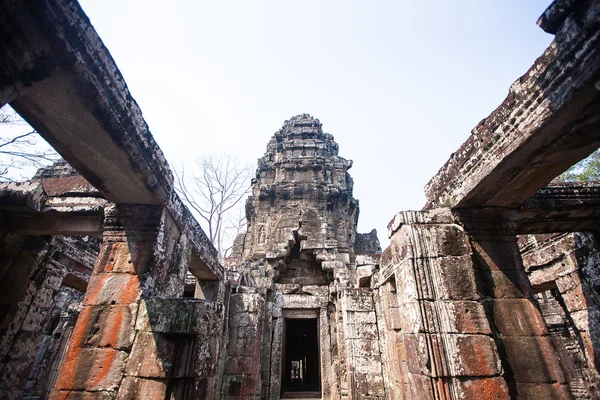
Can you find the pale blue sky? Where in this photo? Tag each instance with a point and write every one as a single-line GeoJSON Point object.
{"type": "Point", "coordinates": [400, 84]}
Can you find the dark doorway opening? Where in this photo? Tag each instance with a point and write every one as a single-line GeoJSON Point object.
{"type": "Point", "coordinates": [301, 371]}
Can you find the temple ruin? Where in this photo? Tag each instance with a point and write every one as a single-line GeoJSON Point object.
{"type": "Point", "coordinates": [109, 288]}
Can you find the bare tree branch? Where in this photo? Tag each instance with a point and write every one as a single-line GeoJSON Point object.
{"type": "Point", "coordinates": [213, 191]}
{"type": "Point", "coordinates": [20, 151]}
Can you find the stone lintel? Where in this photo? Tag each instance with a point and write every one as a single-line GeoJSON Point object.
{"type": "Point", "coordinates": [488, 223]}
{"type": "Point", "coordinates": [22, 196]}
{"type": "Point", "coordinates": [565, 207]}
{"type": "Point", "coordinates": [49, 224]}
{"type": "Point", "coordinates": [70, 90]}
{"type": "Point", "coordinates": [425, 217]}
{"type": "Point", "coordinates": [302, 301]}
{"type": "Point", "coordinates": [547, 123]}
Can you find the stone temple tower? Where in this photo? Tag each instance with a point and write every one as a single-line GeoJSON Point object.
{"type": "Point", "coordinates": [301, 199]}
{"type": "Point", "coordinates": [302, 275]}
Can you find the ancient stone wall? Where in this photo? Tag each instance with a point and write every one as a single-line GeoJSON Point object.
{"type": "Point", "coordinates": [51, 277]}
{"type": "Point", "coordinates": [564, 270]}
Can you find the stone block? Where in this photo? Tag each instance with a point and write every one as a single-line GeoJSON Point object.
{"type": "Point", "coordinates": [316, 290]}
{"type": "Point", "coordinates": [238, 320]}
{"type": "Point", "coordinates": [109, 288]}
{"type": "Point", "coordinates": [355, 317]}
{"type": "Point", "coordinates": [439, 241]}
{"type": "Point", "coordinates": [367, 259]}
{"type": "Point", "coordinates": [467, 355]}
{"type": "Point", "coordinates": [304, 301]}
{"type": "Point", "coordinates": [124, 257]}
{"type": "Point", "coordinates": [245, 303]}
{"type": "Point", "coordinates": [533, 360]}
{"type": "Point", "coordinates": [365, 348]}
{"type": "Point", "coordinates": [465, 317]}
{"type": "Point", "coordinates": [543, 391]}
{"type": "Point", "coordinates": [332, 265]}
{"type": "Point", "coordinates": [92, 370]}
{"type": "Point", "coordinates": [410, 317]}
{"type": "Point", "coordinates": [71, 395]}
{"type": "Point", "coordinates": [365, 365]}
{"type": "Point", "coordinates": [587, 320]}
{"type": "Point", "coordinates": [418, 359]}
{"type": "Point", "coordinates": [517, 317]}
{"type": "Point", "coordinates": [286, 288]}
{"type": "Point", "coordinates": [503, 283]}
{"type": "Point", "coordinates": [485, 388]}
{"type": "Point", "coordinates": [577, 298]}
{"type": "Point", "coordinates": [421, 387]}
{"type": "Point", "coordinates": [152, 356]}
{"type": "Point", "coordinates": [138, 388]}
{"type": "Point", "coordinates": [456, 278]}
{"type": "Point", "coordinates": [362, 331]}
{"type": "Point", "coordinates": [472, 355]}
{"type": "Point", "coordinates": [240, 365]}
{"type": "Point", "coordinates": [568, 282]}
{"type": "Point", "coordinates": [433, 216]}
{"type": "Point", "coordinates": [111, 326]}
{"type": "Point", "coordinates": [357, 300]}
{"type": "Point", "coordinates": [394, 318]}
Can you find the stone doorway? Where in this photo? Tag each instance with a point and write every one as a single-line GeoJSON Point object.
{"type": "Point", "coordinates": [301, 373]}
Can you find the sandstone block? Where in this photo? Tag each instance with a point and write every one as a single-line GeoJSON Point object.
{"type": "Point", "coordinates": [518, 317]}
{"type": "Point", "coordinates": [541, 391]}
{"type": "Point", "coordinates": [456, 278]}
{"type": "Point", "coordinates": [96, 370]}
{"type": "Point", "coordinates": [151, 356]}
{"type": "Point", "coordinates": [109, 288]}
{"type": "Point", "coordinates": [133, 388]}
{"type": "Point", "coordinates": [533, 360]}
{"type": "Point", "coordinates": [484, 388]}
{"type": "Point", "coordinates": [111, 326]}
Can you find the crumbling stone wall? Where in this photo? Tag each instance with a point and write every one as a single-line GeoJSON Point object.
{"type": "Point", "coordinates": [43, 283]}
{"type": "Point", "coordinates": [564, 270]}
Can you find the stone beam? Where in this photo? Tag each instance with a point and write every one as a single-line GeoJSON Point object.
{"type": "Point", "coordinates": [57, 74]}
{"type": "Point", "coordinates": [49, 224]}
{"type": "Point", "coordinates": [26, 209]}
{"type": "Point", "coordinates": [565, 207]}
{"type": "Point", "coordinates": [549, 121]}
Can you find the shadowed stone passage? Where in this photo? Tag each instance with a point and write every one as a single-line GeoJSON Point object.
{"type": "Point", "coordinates": [301, 356]}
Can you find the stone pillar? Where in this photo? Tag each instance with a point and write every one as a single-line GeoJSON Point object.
{"type": "Point", "coordinates": [328, 386]}
{"type": "Point", "coordinates": [242, 378]}
{"type": "Point", "coordinates": [141, 257]}
{"type": "Point", "coordinates": [390, 338]}
{"type": "Point", "coordinates": [276, 359]}
{"type": "Point", "coordinates": [450, 353]}
{"type": "Point", "coordinates": [531, 367]}
{"type": "Point", "coordinates": [365, 374]}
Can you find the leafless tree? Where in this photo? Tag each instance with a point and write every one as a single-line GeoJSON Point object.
{"type": "Point", "coordinates": [20, 146]}
{"type": "Point", "coordinates": [214, 190]}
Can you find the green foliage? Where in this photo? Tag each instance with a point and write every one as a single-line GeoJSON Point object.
{"type": "Point", "coordinates": [585, 170]}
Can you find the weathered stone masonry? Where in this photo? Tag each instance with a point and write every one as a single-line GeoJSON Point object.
{"type": "Point", "coordinates": [109, 288]}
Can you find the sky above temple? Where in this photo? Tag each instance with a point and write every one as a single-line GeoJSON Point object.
{"type": "Point", "coordinates": [400, 84]}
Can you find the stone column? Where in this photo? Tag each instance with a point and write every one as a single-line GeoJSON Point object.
{"type": "Point", "coordinates": [365, 374]}
{"type": "Point", "coordinates": [140, 257]}
{"type": "Point", "coordinates": [242, 377]}
{"type": "Point", "coordinates": [450, 353]}
{"type": "Point", "coordinates": [531, 367]}
{"type": "Point", "coordinates": [327, 386]}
